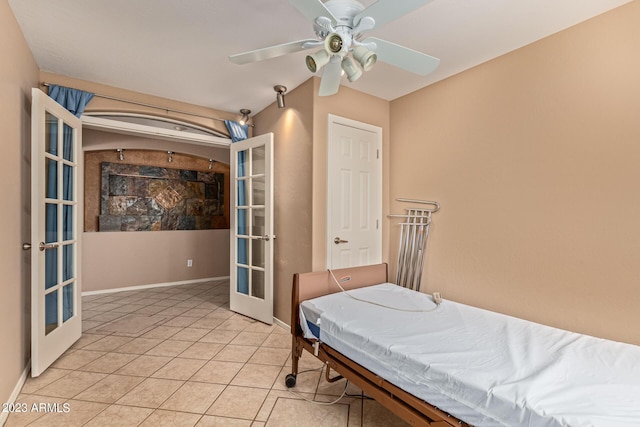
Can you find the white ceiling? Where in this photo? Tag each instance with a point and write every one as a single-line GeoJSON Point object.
{"type": "Point", "coordinates": [178, 49]}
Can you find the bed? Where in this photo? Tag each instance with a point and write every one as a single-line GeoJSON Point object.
{"type": "Point", "coordinates": [456, 365]}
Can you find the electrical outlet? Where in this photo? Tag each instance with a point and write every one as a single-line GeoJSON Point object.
{"type": "Point", "coordinates": [189, 263]}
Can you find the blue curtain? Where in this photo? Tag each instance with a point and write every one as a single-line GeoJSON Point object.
{"type": "Point", "coordinates": [74, 101]}
{"type": "Point", "coordinates": [240, 132]}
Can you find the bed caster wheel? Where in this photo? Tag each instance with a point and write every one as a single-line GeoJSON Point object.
{"type": "Point", "coordinates": [290, 380]}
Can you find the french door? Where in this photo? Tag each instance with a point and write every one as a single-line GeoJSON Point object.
{"type": "Point", "coordinates": [251, 270]}
{"type": "Point", "coordinates": [56, 211]}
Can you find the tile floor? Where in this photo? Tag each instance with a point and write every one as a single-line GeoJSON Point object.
{"type": "Point", "coordinates": [176, 356]}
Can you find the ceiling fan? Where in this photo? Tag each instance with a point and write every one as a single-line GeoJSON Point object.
{"type": "Point", "coordinates": [339, 26]}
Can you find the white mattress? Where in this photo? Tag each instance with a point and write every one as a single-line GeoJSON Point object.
{"type": "Point", "coordinates": [484, 368]}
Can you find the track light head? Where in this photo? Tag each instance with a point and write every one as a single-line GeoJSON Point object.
{"type": "Point", "coordinates": [280, 90]}
{"type": "Point", "coordinates": [245, 116]}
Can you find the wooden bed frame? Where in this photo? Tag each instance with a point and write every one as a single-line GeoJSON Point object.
{"type": "Point", "coordinates": [306, 286]}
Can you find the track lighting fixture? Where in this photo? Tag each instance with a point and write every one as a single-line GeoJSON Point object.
{"type": "Point", "coordinates": [170, 159]}
{"type": "Point", "coordinates": [280, 90]}
{"type": "Point", "coordinates": [210, 164]}
{"type": "Point", "coordinates": [120, 153]}
{"type": "Point", "coordinates": [245, 116]}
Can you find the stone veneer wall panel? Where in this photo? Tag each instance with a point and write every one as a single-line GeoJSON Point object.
{"type": "Point", "coordinates": [93, 178]}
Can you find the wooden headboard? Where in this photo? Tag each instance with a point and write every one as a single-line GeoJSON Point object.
{"type": "Point", "coordinates": [311, 285]}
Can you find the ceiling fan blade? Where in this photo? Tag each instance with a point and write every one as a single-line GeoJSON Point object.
{"type": "Point", "coordinates": [312, 9]}
{"type": "Point", "coordinates": [331, 77]}
{"type": "Point", "coordinates": [384, 11]}
{"type": "Point", "coordinates": [273, 51]}
{"type": "Point", "coordinates": [403, 57]}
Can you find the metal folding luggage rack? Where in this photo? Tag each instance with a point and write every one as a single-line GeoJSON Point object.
{"type": "Point", "coordinates": [412, 248]}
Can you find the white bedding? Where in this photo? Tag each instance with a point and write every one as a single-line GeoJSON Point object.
{"type": "Point", "coordinates": [484, 368]}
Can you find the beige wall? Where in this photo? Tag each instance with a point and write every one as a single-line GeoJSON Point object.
{"type": "Point", "coordinates": [535, 158]}
{"type": "Point", "coordinates": [18, 74]}
{"type": "Point", "coordinates": [116, 260]}
{"type": "Point", "coordinates": [301, 180]}
{"type": "Point", "coordinates": [293, 155]}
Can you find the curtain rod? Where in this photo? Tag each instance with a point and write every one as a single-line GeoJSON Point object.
{"type": "Point", "coordinates": [142, 104]}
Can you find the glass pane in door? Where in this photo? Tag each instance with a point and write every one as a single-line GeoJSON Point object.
{"type": "Point", "coordinates": [67, 148]}
{"type": "Point", "coordinates": [67, 262]}
{"type": "Point", "coordinates": [67, 222]}
{"type": "Point", "coordinates": [257, 191]}
{"type": "Point", "coordinates": [257, 161]}
{"type": "Point", "coordinates": [50, 268]}
{"type": "Point", "coordinates": [50, 178]}
{"type": "Point", "coordinates": [257, 284]}
{"type": "Point", "coordinates": [242, 222]}
{"type": "Point", "coordinates": [67, 302]}
{"type": "Point", "coordinates": [242, 193]}
{"type": "Point", "coordinates": [51, 223]}
{"type": "Point", "coordinates": [243, 251]}
{"type": "Point", "coordinates": [242, 164]}
{"type": "Point", "coordinates": [257, 222]}
{"type": "Point", "coordinates": [67, 182]}
{"type": "Point", "coordinates": [51, 312]}
{"type": "Point", "coordinates": [257, 253]}
{"type": "Point", "coordinates": [243, 281]}
{"type": "Point", "coordinates": [51, 134]}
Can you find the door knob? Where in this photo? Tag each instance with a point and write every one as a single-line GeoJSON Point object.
{"type": "Point", "coordinates": [42, 246]}
{"type": "Point", "coordinates": [338, 240]}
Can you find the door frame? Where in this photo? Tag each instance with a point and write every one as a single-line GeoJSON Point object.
{"type": "Point", "coordinates": [331, 139]}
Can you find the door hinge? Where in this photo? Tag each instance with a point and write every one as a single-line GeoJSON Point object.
{"type": "Point", "coordinates": [377, 224]}
{"type": "Point", "coordinates": [378, 153]}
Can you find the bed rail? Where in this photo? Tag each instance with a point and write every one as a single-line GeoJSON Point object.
{"type": "Point", "coordinates": [414, 232]}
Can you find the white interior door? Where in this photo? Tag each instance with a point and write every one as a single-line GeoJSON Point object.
{"type": "Point", "coordinates": [354, 187]}
{"type": "Point", "coordinates": [56, 212]}
{"type": "Point", "coordinates": [251, 287]}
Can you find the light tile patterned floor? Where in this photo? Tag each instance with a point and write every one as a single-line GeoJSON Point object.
{"type": "Point", "coordinates": [176, 356]}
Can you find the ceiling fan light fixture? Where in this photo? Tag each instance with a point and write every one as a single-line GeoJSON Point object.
{"type": "Point", "coordinates": [317, 60]}
{"type": "Point", "coordinates": [334, 43]}
{"type": "Point", "coordinates": [365, 57]}
{"type": "Point", "coordinates": [245, 116]}
{"type": "Point", "coordinates": [351, 69]}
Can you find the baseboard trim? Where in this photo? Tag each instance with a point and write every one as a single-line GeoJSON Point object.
{"type": "Point", "coordinates": [281, 323]}
{"type": "Point", "coordinates": [16, 392]}
{"type": "Point", "coordinates": [154, 285]}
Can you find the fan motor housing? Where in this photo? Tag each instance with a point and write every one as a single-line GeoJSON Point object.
{"type": "Point", "coordinates": [344, 10]}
